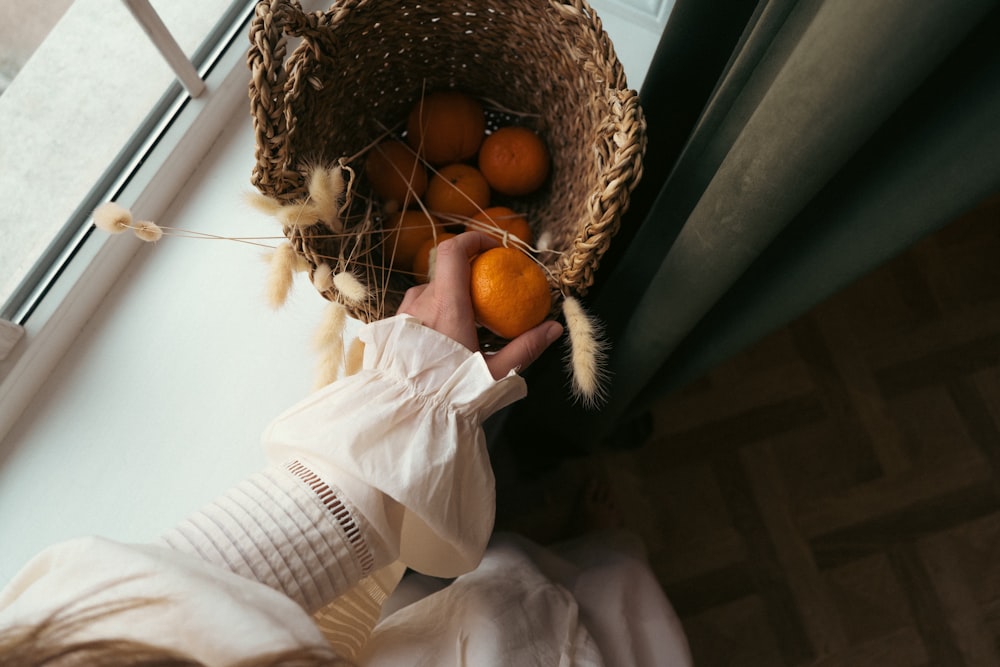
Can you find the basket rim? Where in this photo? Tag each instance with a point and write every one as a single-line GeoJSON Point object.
{"type": "Point", "coordinates": [277, 82]}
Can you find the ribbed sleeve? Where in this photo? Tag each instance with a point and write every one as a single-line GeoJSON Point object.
{"type": "Point", "coordinates": [285, 528]}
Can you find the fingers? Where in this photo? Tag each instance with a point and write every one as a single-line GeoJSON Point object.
{"type": "Point", "coordinates": [519, 353]}
{"type": "Point", "coordinates": [472, 243]}
{"type": "Point", "coordinates": [410, 297]}
{"type": "Point", "coordinates": [445, 305]}
{"type": "Point", "coordinates": [451, 268]}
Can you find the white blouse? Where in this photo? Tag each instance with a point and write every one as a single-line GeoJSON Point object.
{"type": "Point", "coordinates": [382, 470]}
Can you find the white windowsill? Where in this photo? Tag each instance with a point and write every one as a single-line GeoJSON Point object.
{"type": "Point", "coordinates": [160, 402]}
{"type": "Point", "coordinates": [88, 277]}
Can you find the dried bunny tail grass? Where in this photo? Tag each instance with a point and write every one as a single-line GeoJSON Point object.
{"type": "Point", "coordinates": [432, 259]}
{"type": "Point", "coordinates": [148, 231]}
{"type": "Point", "coordinates": [326, 188]}
{"type": "Point", "coordinates": [329, 340]}
{"type": "Point", "coordinates": [112, 218]}
{"type": "Point", "coordinates": [291, 216]}
{"type": "Point", "coordinates": [322, 278]}
{"type": "Point", "coordinates": [331, 329]}
{"type": "Point", "coordinates": [544, 242]}
{"type": "Point", "coordinates": [302, 264]}
{"type": "Point", "coordinates": [587, 359]}
{"type": "Point", "coordinates": [282, 275]}
{"type": "Point", "coordinates": [263, 203]}
{"type": "Point", "coordinates": [329, 369]}
{"type": "Point", "coordinates": [301, 214]}
{"type": "Point", "coordinates": [352, 289]}
{"type": "Point", "coordinates": [355, 357]}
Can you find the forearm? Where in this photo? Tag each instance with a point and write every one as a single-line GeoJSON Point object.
{"type": "Point", "coordinates": [391, 464]}
{"type": "Point", "coordinates": [286, 528]}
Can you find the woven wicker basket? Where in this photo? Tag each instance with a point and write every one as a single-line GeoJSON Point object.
{"type": "Point", "coordinates": [360, 66]}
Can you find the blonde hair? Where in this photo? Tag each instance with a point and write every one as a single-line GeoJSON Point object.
{"type": "Point", "coordinates": [50, 644]}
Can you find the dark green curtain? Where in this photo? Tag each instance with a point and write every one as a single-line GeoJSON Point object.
{"type": "Point", "coordinates": [794, 145]}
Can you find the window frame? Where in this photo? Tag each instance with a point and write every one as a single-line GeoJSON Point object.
{"type": "Point", "coordinates": [17, 309]}
{"type": "Point", "coordinates": [82, 264]}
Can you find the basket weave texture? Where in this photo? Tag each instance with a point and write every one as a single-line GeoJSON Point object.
{"type": "Point", "coordinates": [359, 67]}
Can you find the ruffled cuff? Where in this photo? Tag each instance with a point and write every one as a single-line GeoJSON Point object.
{"type": "Point", "coordinates": [408, 425]}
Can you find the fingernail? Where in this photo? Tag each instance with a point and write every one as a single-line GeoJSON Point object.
{"type": "Point", "coordinates": [553, 332]}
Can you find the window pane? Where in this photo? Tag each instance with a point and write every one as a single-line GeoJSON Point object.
{"type": "Point", "coordinates": [22, 29]}
{"type": "Point", "coordinates": [73, 106]}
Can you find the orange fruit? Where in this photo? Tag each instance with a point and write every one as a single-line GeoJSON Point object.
{"type": "Point", "coordinates": [403, 234]}
{"type": "Point", "coordinates": [395, 172]}
{"type": "Point", "coordinates": [457, 190]}
{"type": "Point", "coordinates": [502, 219]}
{"type": "Point", "coordinates": [422, 263]}
{"type": "Point", "coordinates": [514, 160]}
{"type": "Point", "coordinates": [510, 293]}
{"type": "Point", "coordinates": [446, 126]}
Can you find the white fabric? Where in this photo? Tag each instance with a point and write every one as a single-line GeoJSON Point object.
{"type": "Point", "coordinates": [206, 611]}
{"type": "Point", "coordinates": [275, 530]}
{"type": "Point", "coordinates": [386, 467]}
{"type": "Point", "coordinates": [590, 601]}
{"type": "Point", "coordinates": [621, 602]}
{"type": "Point", "coordinates": [409, 425]}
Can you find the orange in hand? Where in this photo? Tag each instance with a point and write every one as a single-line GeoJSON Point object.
{"type": "Point", "coordinates": [395, 172]}
{"type": "Point", "coordinates": [446, 126]}
{"type": "Point", "coordinates": [499, 219]}
{"type": "Point", "coordinates": [423, 266]}
{"type": "Point", "coordinates": [514, 160]}
{"type": "Point", "coordinates": [457, 190]}
{"type": "Point", "coordinates": [510, 292]}
{"type": "Point", "coordinates": [403, 234]}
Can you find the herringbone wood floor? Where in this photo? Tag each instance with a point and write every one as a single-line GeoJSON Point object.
{"type": "Point", "coordinates": [831, 496]}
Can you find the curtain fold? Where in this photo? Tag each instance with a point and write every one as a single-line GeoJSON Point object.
{"type": "Point", "coordinates": [836, 135]}
{"type": "Point", "coordinates": [935, 160]}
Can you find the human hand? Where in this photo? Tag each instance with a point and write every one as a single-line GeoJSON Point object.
{"type": "Point", "coordinates": [445, 305]}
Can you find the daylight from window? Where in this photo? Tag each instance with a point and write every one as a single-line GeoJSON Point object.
{"type": "Point", "coordinates": [79, 78]}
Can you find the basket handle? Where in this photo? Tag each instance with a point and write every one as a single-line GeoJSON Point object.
{"type": "Point", "coordinates": [622, 146]}
{"type": "Point", "coordinates": [273, 22]}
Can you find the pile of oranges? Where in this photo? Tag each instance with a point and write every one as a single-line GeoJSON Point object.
{"type": "Point", "coordinates": [441, 179]}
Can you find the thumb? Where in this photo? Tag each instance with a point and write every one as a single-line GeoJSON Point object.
{"type": "Point", "coordinates": [523, 350]}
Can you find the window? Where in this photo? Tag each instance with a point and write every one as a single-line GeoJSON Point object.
{"type": "Point", "coordinates": [75, 115]}
{"type": "Point", "coordinates": [95, 115]}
